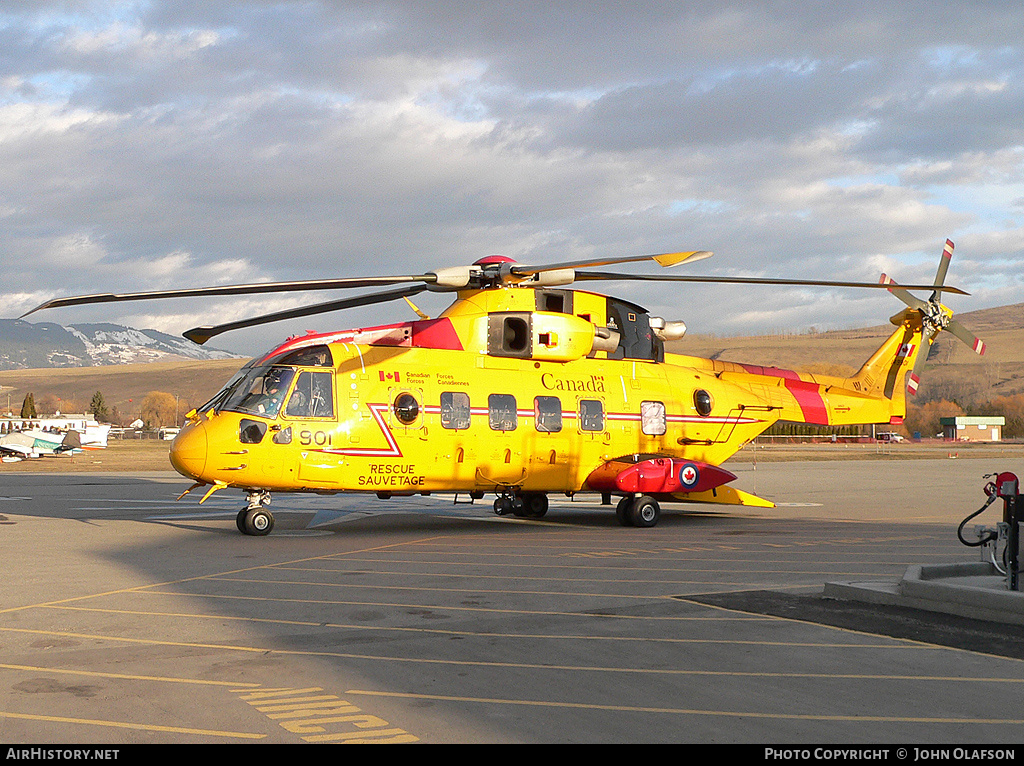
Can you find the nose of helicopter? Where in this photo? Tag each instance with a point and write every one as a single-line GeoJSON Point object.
{"type": "Point", "coordinates": [188, 451]}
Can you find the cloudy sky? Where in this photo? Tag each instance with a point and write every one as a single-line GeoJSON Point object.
{"type": "Point", "coordinates": [154, 144]}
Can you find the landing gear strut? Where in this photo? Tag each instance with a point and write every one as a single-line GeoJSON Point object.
{"type": "Point", "coordinates": [639, 511]}
{"type": "Point", "coordinates": [255, 519]}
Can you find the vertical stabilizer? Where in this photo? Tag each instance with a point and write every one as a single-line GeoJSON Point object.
{"type": "Point", "coordinates": [885, 372]}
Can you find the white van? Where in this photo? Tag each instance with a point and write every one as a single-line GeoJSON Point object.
{"type": "Point", "coordinates": [889, 436]}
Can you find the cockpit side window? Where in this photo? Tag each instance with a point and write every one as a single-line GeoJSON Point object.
{"type": "Point", "coordinates": [312, 397]}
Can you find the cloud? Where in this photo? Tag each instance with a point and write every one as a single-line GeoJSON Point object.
{"type": "Point", "coordinates": [154, 144]}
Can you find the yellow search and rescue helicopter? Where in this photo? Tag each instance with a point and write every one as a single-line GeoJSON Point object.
{"type": "Point", "coordinates": [520, 388]}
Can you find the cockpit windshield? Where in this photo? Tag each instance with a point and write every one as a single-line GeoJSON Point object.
{"type": "Point", "coordinates": [260, 389]}
{"type": "Point", "coordinates": [259, 392]}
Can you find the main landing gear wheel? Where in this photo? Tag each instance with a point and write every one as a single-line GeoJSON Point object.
{"type": "Point", "coordinates": [642, 511]}
{"type": "Point", "coordinates": [622, 511]}
{"type": "Point", "coordinates": [535, 505]}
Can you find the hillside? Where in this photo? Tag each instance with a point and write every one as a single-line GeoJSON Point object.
{"type": "Point", "coordinates": [122, 386]}
{"type": "Point", "coordinates": [954, 371]}
{"type": "Point", "coordinates": [27, 345]}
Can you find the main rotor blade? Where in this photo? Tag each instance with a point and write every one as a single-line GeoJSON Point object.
{"type": "Point", "coordinates": [251, 289]}
{"type": "Point", "coordinates": [202, 334]}
{"type": "Point", "coordinates": [584, 276]}
{"type": "Point", "coordinates": [662, 259]}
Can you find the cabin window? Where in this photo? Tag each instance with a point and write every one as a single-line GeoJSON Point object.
{"type": "Point", "coordinates": [702, 402]}
{"type": "Point", "coordinates": [312, 397]}
{"type": "Point", "coordinates": [406, 408]}
{"type": "Point", "coordinates": [547, 414]}
{"type": "Point", "coordinates": [652, 418]}
{"type": "Point", "coordinates": [455, 413]}
{"type": "Point", "coordinates": [251, 431]}
{"type": "Point", "coordinates": [501, 412]}
{"type": "Point", "coordinates": [591, 415]}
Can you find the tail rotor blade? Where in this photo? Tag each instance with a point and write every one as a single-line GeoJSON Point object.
{"type": "Point", "coordinates": [940, 275]}
{"type": "Point", "coordinates": [901, 293]}
{"type": "Point", "coordinates": [914, 380]}
{"type": "Point", "coordinates": [977, 344]}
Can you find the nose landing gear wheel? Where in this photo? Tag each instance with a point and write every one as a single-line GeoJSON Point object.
{"type": "Point", "coordinates": [256, 521]}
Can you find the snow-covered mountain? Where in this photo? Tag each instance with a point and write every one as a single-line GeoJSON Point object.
{"type": "Point", "coordinates": [25, 345]}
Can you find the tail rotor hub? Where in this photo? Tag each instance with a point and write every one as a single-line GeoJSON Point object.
{"type": "Point", "coordinates": [935, 317]}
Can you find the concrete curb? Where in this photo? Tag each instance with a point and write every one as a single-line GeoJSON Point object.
{"type": "Point", "coordinates": [975, 590]}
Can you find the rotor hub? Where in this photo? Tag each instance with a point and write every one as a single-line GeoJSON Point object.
{"type": "Point", "coordinates": [491, 260]}
{"type": "Point", "coordinates": [935, 317]}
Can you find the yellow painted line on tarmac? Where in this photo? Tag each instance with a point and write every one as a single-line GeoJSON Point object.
{"type": "Point", "coordinates": [575, 546]}
{"type": "Point", "coordinates": [689, 711]}
{"type": "Point", "coordinates": [149, 641]}
{"type": "Point", "coordinates": [480, 634]}
{"type": "Point", "coordinates": [479, 663]}
{"type": "Point", "coordinates": [742, 585]}
{"type": "Point", "coordinates": [503, 591]}
{"type": "Point", "coordinates": [685, 564]}
{"type": "Point", "coordinates": [558, 577]}
{"type": "Point", "coordinates": [442, 608]}
{"type": "Point", "coordinates": [125, 676]}
{"type": "Point", "coordinates": [144, 588]}
{"type": "Point", "coordinates": [130, 725]}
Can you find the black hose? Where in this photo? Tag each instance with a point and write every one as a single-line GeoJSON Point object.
{"type": "Point", "coordinates": [985, 538]}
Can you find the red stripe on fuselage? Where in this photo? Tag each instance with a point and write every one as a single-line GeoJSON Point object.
{"type": "Point", "coordinates": [436, 333]}
{"type": "Point", "coordinates": [808, 396]}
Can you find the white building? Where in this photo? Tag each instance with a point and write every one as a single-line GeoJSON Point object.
{"type": "Point", "coordinates": [976, 429]}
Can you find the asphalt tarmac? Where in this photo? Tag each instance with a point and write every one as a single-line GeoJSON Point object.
{"type": "Point", "coordinates": [129, 617]}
